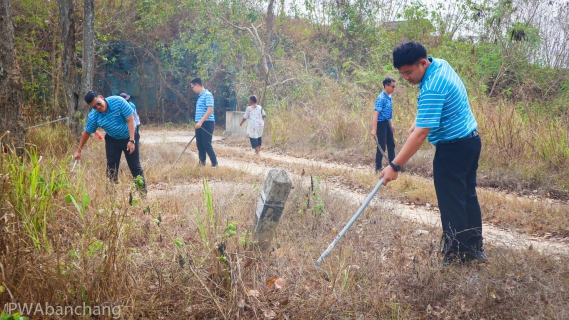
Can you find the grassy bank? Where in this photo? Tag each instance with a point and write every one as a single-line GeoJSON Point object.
{"type": "Point", "coordinates": [69, 238]}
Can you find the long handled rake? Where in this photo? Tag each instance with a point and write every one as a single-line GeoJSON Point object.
{"type": "Point", "coordinates": [355, 217]}
{"type": "Point", "coordinates": [350, 223]}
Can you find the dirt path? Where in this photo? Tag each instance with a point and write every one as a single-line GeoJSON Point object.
{"type": "Point", "coordinates": [492, 235]}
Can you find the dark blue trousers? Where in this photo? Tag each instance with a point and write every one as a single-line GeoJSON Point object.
{"type": "Point", "coordinates": [204, 136]}
{"type": "Point", "coordinates": [454, 173]}
{"type": "Point", "coordinates": [384, 137]}
{"type": "Point", "coordinates": [114, 149]}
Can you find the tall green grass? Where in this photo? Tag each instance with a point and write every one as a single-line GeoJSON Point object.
{"type": "Point", "coordinates": [59, 246]}
{"type": "Point", "coordinates": [35, 183]}
{"type": "Point", "coordinates": [206, 224]}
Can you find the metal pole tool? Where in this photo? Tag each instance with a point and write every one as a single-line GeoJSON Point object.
{"type": "Point", "coordinates": [380, 150]}
{"type": "Point", "coordinates": [350, 223]}
{"type": "Point", "coordinates": [184, 149]}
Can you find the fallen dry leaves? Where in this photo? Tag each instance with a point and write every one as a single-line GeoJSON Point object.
{"type": "Point", "coordinates": [278, 282]}
{"type": "Point", "coordinates": [253, 293]}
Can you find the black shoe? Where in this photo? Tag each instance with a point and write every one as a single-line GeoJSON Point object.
{"type": "Point", "coordinates": [478, 257]}
{"type": "Point", "coordinates": [201, 164]}
{"type": "Point", "coordinates": [448, 260]}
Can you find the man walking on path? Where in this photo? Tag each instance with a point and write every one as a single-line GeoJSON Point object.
{"type": "Point", "coordinates": [115, 116]}
{"type": "Point", "coordinates": [444, 117]}
{"type": "Point", "coordinates": [382, 126]}
{"type": "Point", "coordinates": [136, 117]}
{"type": "Point", "coordinates": [205, 122]}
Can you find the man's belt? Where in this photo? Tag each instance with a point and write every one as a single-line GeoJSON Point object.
{"type": "Point", "coordinates": [473, 134]}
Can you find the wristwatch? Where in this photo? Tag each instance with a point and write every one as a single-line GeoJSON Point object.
{"type": "Point", "coordinates": [395, 167]}
{"type": "Point", "coordinates": [131, 141]}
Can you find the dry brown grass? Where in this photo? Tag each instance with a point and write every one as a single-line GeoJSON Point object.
{"type": "Point", "coordinates": [155, 264]}
{"type": "Point", "coordinates": [157, 161]}
{"type": "Point", "coordinates": [524, 148]}
{"type": "Point", "coordinates": [533, 215]}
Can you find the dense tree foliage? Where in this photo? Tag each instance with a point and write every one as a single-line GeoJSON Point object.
{"type": "Point", "coordinates": [509, 49]}
{"type": "Point", "coordinates": [319, 67]}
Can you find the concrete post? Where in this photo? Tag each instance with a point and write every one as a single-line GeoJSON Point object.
{"type": "Point", "coordinates": [270, 207]}
{"type": "Point", "coordinates": [232, 120]}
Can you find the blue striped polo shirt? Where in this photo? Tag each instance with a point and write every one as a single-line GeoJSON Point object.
{"type": "Point", "coordinates": [443, 104]}
{"type": "Point", "coordinates": [113, 121]}
{"type": "Point", "coordinates": [205, 99]}
{"type": "Point", "coordinates": [384, 105]}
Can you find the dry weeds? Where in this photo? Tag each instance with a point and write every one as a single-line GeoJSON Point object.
{"type": "Point", "coordinates": [533, 215]}
{"type": "Point", "coordinates": [524, 148]}
{"type": "Point", "coordinates": [164, 257]}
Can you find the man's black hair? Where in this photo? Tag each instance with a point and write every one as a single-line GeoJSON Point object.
{"type": "Point", "coordinates": [90, 96]}
{"type": "Point", "coordinates": [253, 98]}
{"type": "Point", "coordinates": [387, 81]}
{"type": "Point", "coordinates": [197, 81]}
{"type": "Point", "coordinates": [408, 53]}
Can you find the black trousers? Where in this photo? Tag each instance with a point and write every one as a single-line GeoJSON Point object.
{"type": "Point", "coordinates": [454, 174]}
{"type": "Point", "coordinates": [204, 135]}
{"type": "Point", "coordinates": [384, 136]}
{"type": "Point", "coordinates": [115, 148]}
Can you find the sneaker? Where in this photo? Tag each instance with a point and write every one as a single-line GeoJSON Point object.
{"type": "Point", "coordinates": [201, 164]}
{"type": "Point", "coordinates": [214, 165]}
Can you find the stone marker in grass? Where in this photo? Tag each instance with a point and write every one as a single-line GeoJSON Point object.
{"type": "Point", "coordinates": [270, 207]}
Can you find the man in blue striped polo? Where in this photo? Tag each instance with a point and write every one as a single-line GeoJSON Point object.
{"type": "Point", "coordinates": [116, 117]}
{"type": "Point", "coordinates": [205, 122]}
{"type": "Point", "coordinates": [382, 126]}
{"type": "Point", "coordinates": [444, 118]}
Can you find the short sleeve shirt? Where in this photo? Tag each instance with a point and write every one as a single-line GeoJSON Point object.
{"type": "Point", "coordinates": [443, 104]}
{"type": "Point", "coordinates": [255, 122]}
{"type": "Point", "coordinates": [113, 121]}
{"type": "Point", "coordinates": [384, 105]}
{"type": "Point", "coordinates": [205, 99]}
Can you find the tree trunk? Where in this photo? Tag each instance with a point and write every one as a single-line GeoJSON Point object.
{"type": "Point", "coordinates": [270, 25]}
{"type": "Point", "coordinates": [68, 59]}
{"type": "Point", "coordinates": [11, 86]}
{"type": "Point", "coordinates": [267, 51]}
{"type": "Point", "coordinates": [88, 63]}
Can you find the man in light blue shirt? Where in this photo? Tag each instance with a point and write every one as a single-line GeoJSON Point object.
{"type": "Point", "coordinates": [136, 117]}
{"type": "Point", "coordinates": [205, 122]}
{"type": "Point", "coordinates": [444, 118]}
{"type": "Point", "coordinates": [116, 117]}
{"type": "Point", "coordinates": [382, 125]}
